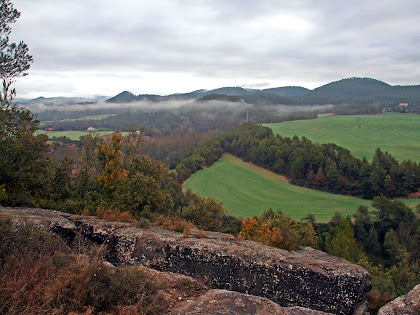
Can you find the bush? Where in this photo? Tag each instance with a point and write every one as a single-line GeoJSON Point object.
{"type": "Point", "coordinates": [273, 228]}
{"type": "Point", "coordinates": [206, 213]}
{"type": "Point", "coordinates": [177, 224]}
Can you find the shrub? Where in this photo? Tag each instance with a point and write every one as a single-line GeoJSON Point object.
{"type": "Point", "coordinates": [206, 213]}
{"type": "Point", "coordinates": [177, 224]}
{"type": "Point", "coordinates": [275, 229]}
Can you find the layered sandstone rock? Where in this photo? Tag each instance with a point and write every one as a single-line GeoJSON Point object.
{"type": "Point", "coordinates": [306, 278]}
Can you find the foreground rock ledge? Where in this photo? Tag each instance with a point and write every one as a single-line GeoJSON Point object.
{"type": "Point", "coordinates": [233, 303]}
{"type": "Point", "coordinates": [306, 278]}
{"type": "Point", "coordinates": [408, 304]}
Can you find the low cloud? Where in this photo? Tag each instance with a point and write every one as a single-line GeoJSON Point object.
{"type": "Point", "coordinates": [209, 109]}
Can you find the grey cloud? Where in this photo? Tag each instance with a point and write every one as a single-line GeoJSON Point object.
{"type": "Point", "coordinates": [310, 41]}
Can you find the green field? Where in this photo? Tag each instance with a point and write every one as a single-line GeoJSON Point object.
{"type": "Point", "coordinates": [247, 190]}
{"type": "Point", "coordinates": [399, 134]}
{"type": "Point", "coordinates": [73, 135]}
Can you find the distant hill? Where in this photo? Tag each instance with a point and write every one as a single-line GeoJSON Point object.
{"type": "Point", "coordinates": [128, 97]}
{"type": "Point", "coordinates": [288, 91]}
{"type": "Point", "coordinates": [238, 91]}
{"type": "Point", "coordinates": [352, 90]}
{"type": "Point", "coordinates": [190, 95]}
{"type": "Point", "coordinates": [354, 87]}
{"type": "Point", "coordinates": [408, 91]}
{"type": "Point", "coordinates": [123, 97]}
{"type": "Point", "coordinates": [57, 101]}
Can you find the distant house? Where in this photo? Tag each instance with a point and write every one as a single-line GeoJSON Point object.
{"type": "Point", "coordinates": [403, 105]}
{"type": "Point", "coordinates": [92, 129]}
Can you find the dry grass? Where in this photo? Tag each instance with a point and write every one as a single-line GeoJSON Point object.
{"type": "Point", "coordinates": [200, 234]}
{"type": "Point", "coordinates": [178, 224]}
{"type": "Point", "coordinates": [39, 275]}
{"type": "Point", "coordinates": [114, 215]}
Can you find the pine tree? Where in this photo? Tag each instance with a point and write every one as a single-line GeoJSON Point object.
{"type": "Point", "coordinates": [372, 242]}
{"type": "Point", "coordinates": [343, 244]}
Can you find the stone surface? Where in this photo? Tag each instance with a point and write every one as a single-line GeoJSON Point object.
{"type": "Point", "coordinates": [306, 278]}
{"type": "Point", "coordinates": [408, 304]}
{"type": "Point", "coordinates": [234, 303]}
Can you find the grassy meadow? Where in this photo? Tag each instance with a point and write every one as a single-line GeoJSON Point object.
{"type": "Point", "coordinates": [73, 135]}
{"type": "Point", "coordinates": [247, 190]}
{"type": "Point", "coordinates": [399, 134]}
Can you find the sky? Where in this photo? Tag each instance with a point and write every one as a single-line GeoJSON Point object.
{"type": "Point", "coordinates": [102, 47]}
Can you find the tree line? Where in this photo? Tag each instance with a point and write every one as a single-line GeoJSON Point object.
{"type": "Point", "coordinates": [326, 167]}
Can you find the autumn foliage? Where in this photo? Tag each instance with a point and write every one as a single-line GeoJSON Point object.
{"type": "Point", "coordinates": [115, 174]}
{"type": "Point", "coordinates": [114, 215]}
{"type": "Point", "coordinates": [275, 229]}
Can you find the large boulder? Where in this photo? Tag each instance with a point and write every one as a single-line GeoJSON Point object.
{"type": "Point", "coordinates": [408, 304]}
{"type": "Point", "coordinates": [306, 278]}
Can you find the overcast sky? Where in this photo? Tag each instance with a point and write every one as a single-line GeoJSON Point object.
{"type": "Point", "coordinates": [102, 47]}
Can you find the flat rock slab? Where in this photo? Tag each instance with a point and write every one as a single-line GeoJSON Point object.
{"type": "Point", "coordinates": [233, 303]}
{"type": "Point", "coordinates": [408, 304]}
{"type": "Point", "coordinates": [307, 278]}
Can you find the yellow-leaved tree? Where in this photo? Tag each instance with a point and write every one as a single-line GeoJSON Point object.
{"type": "Point", "coordinates": [115, 174]}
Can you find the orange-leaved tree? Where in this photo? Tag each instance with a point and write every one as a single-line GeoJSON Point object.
{"type": "Point", "coordinates": [275, 229]}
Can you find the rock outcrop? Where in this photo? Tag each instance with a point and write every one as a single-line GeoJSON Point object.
{"type": "Point", "coordinates": [233, 303]}
{"type": "Point", "coordinates": [408, 304]}
{"type": "Point", "coordinates": [306, 278]}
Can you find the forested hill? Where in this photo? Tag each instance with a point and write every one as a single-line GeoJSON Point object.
{"type": "Point", "coordinates": [357, 87]}
{"type": "Point", "coordinates": [288, 91]}
{"type": "Point", "coordinates": [355, 91]}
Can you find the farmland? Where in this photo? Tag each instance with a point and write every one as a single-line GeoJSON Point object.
{"type": "Point", "coordinates": [361, 134]}
{"type": "Point", "coordinates": [72, 135]}
{"type": "Point", "coordinates": [247, 190]}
